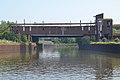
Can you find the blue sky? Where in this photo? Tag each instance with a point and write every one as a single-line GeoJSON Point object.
{"type": "Point", "coordinates": [58, 10]}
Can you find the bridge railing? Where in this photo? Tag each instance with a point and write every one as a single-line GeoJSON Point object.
{"type": "Point", "coordinates": [54, 24]}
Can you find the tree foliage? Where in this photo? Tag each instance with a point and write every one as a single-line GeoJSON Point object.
{"type": "Point", "coordinates": [116, 31]}
{"type": "Point", "coordinates": [6, 34]}
{"type": "Point", "coordinates": [4, 26]}
{"type": "Point", "coordinates": [63, 40]}
{"type": "Point", "coordinates": [116, 40]}
{"type": "Point", "coordinates": [104, 39]}
{"type": "Point", "coordinates": [85, 40]}
{"type": "Point", "coordinates": [14, 37]}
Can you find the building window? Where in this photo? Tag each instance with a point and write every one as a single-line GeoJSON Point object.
{"type": "Point", "coordinates": [23, 28]}
{"type": "Point", "coordinates": [88, 28]}
{"type": "Point", "coordinates": [82, 28]}
{"type": "Point", "coordinates": [101, 27]}
{"type": "Point", "coordinates": [30, 29]}
{"type": "Point", "coordinates": [108, 24]}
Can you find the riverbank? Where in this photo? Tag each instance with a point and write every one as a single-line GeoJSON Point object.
{"type": "Point", "coordinates": [108, 47]}
{"type": "Point", "coordinates": [8, 47]}
{"type": "Point", "coordinates": [67, 44]}
{"type": "Point", "coordinates": [6, 42]}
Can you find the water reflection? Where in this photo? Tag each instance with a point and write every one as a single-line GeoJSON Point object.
{"type": "Point", "coordinates": [102, 64]}
{"type": "Point", "coordinates": [23, 52]}
{"type": "Point", "coordinates": [97, 65]}
{"type": "Point", "coordinates": [67, 63]}
{"type": "Point", "coordinates": [49, 53]}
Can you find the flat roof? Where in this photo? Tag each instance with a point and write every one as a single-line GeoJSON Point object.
{"type": "Point", "coordinates": [105, 19]}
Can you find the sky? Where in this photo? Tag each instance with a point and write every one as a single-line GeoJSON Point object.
{"type": "Point", "coordinates": [58, 10]}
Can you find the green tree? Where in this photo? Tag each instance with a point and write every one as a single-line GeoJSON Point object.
{"type": "Point", "coordinates": [23, 38]}
{"type": "Point", "coordinates": [63, 40]}
{"type": "Point", "coordinates": [116, 31]}
{"type": "Point", "coordinates": [9, 36]}
{"type": "Point", "coordinates": [5, 26]}
{"type": "Point", "coordinates": [14, 37]}
{"type": "Point", "coordinates": [5, 33]}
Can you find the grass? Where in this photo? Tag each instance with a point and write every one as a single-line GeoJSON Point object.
{"type": "Point", "coordinates": [8, 42]}
{"type": "Point", "coordinates": [105, 43]}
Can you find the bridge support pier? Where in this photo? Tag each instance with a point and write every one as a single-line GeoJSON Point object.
{"type": "Point", "coordinates": [39, 48]}
{"type": "Point", "coordinates": [35, 39]}
{"type": "Point", "coordinates": [97, 38]}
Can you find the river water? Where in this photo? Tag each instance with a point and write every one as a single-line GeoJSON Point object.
{"type": "Point", "coordinates": [61, 63]}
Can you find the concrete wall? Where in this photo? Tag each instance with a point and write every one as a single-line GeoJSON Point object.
{"type": "Point", "coordinates": [22, 48]}
{"type": "Point", "coordinates": [114, 48]}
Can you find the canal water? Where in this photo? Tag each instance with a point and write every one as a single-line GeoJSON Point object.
{"type": "Point", "coordinates": [60, 63]}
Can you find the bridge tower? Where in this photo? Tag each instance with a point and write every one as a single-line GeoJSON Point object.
{"type": "Point", "coordinates": [103, 27]}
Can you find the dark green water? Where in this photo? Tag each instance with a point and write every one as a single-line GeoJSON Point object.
{"type": "Point", "coordinates": [61, 63]}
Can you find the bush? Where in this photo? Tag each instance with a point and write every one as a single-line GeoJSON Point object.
{"type": "Point", "coordinates": [116, 40]}
{"type": "Point", "coordinates": [63, 40]}
{"type": "Point", "coordinates": [104, 39]}
{"type": "Point", "coordinates": [9, 36]}
{"type": "Point", "coordinates": [85, 40]}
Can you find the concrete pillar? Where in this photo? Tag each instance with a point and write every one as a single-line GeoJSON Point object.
{"type": "Point", "coordinates": [39, 48]}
